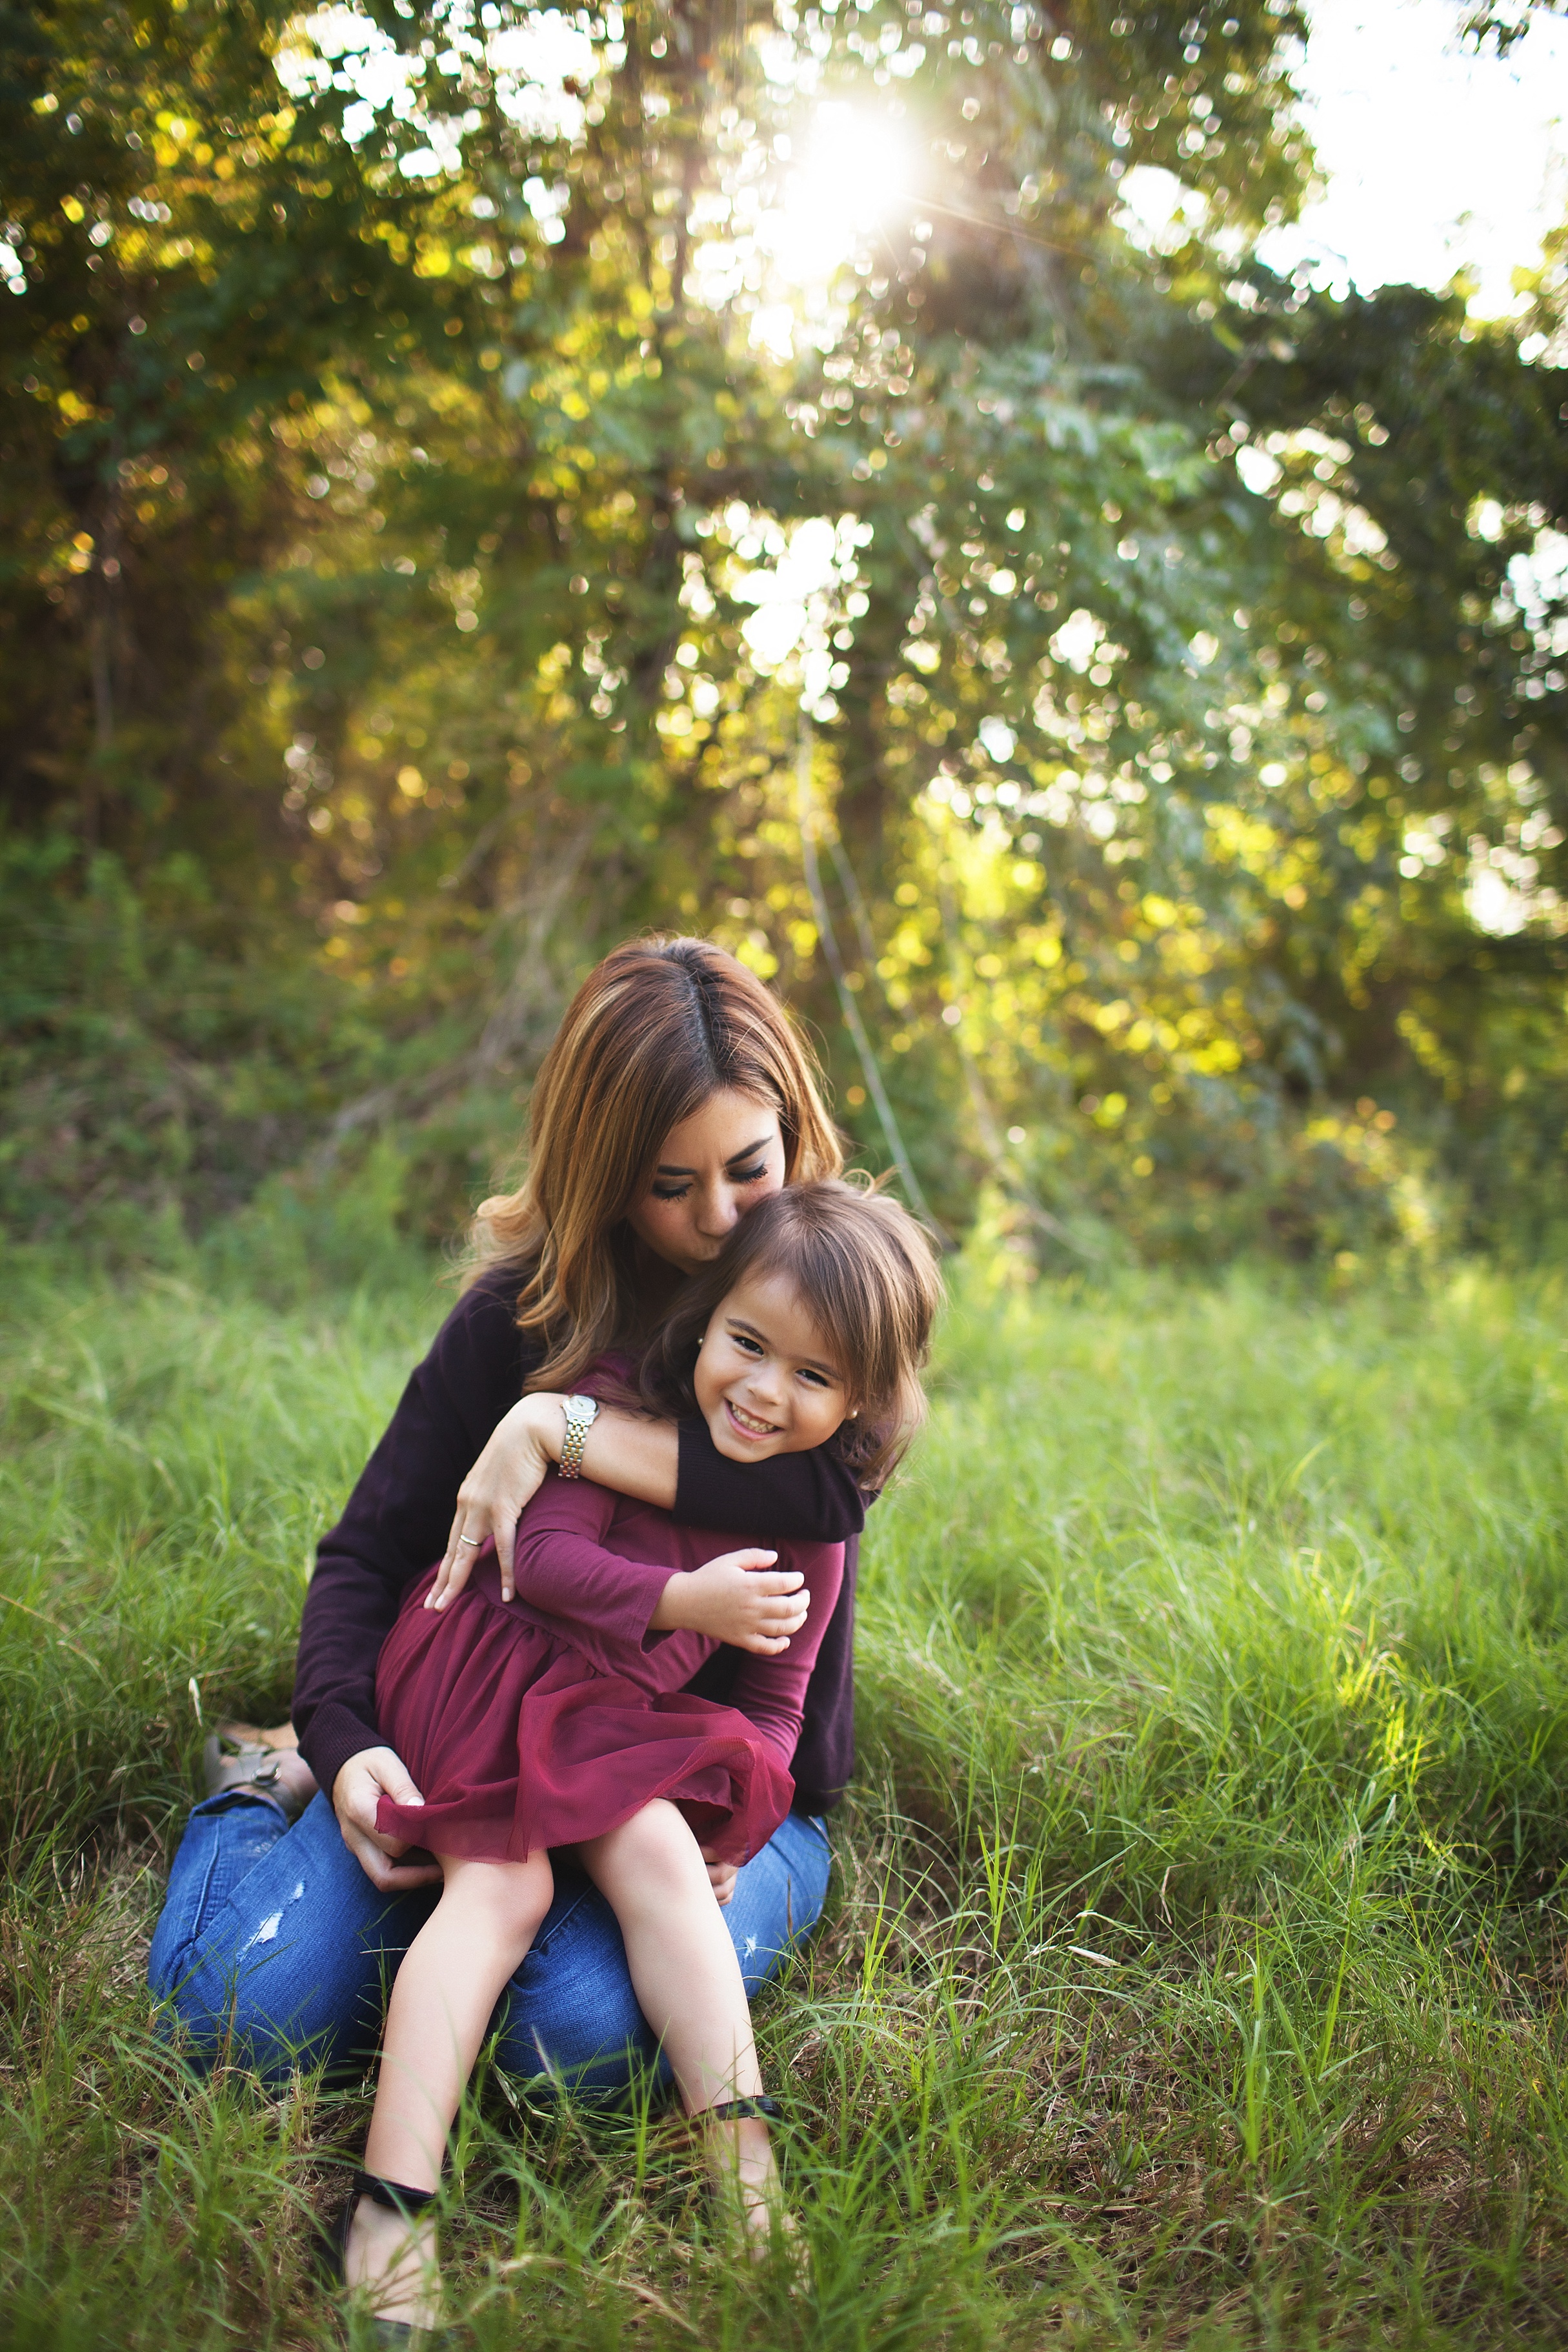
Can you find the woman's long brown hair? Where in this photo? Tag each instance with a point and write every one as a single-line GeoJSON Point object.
{"type": "Point", "coordinates": [654, 1033]}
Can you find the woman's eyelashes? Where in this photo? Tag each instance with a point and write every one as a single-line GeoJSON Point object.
{"type": "Point", "coordinates": [737, 1176]}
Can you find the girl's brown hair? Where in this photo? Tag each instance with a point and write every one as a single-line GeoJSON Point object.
{"type": "Point", "coordinates": [866, 1275]}
{"type": "Point", "coordinates": [654, 1033]}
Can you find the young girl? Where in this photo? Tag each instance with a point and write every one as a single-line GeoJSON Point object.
{"type": "Point", "coordinates": [558, 1718]}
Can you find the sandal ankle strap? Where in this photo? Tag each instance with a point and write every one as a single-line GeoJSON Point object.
{"type": "Point", "coordinates": [734, 2111]}
{"type": "Point", "coordinates": [409, 2202]}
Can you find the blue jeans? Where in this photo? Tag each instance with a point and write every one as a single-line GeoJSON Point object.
{"type": "Point", "coordinates": [274, 1949]}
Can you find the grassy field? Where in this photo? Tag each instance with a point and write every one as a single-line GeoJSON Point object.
{"type": "Point", "coordinates": [1193, 1969]}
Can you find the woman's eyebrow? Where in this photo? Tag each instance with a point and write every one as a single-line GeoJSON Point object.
{"type": "Point", "coordinates": [750, 1153]}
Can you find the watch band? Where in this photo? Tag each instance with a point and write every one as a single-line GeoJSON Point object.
{"type": "Point", "coordinates": [581, 1412]}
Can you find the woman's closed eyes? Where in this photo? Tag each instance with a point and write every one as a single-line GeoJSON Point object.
{"type": "Point", "coordinates": [713, 1167]}
{"type": "Point", "coordinates": [736, 1175]}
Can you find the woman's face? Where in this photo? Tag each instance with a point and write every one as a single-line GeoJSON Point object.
{"type": "Point", "coordinates": [714, 1166]}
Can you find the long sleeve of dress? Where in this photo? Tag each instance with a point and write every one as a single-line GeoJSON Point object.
{"type": "Point", "coordinates": [598, 1600]}
{"type": "Point", "coordinates": [771, 1692]}
{"type": "Point", "coordinates": [601, 1598]}
{"type": "Point", "coordinates": [806, 1496]}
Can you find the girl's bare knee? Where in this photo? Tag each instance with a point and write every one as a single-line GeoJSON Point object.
{"type": "Point", "coordinates": [509, 1897]}
{"type": "Point", "coordinates": [656, 1842]}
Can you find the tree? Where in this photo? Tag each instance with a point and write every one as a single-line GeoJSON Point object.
{"type": "Point", "coordinates": [448, 547]}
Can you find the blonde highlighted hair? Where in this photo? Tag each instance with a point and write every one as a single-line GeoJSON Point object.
{"type": "Point", "coordinates": [654, 1033]}
{"type": "Point", "coordinates": [866, 1274]}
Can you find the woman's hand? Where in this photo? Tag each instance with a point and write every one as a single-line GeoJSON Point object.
{"type": "Point", "coordinates": [361, 1783]}
{"type": "Point", "coordinates": [721, 1877]}
{"type": "Point", "coordinates": [507, 1475]}
{"type": "Point", "coordinates": [739, 1598]}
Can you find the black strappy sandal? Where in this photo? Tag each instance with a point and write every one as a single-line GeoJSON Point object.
{"type": "Point", "coordinates": [389, 2335]}
{"type": "Point", "coordinates": [765, 2110]}
{"type": "Point", "coordinates": [739, 2111]}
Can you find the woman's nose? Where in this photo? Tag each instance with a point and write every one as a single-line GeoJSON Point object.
{"type": "Point", "coordinates": [720, 1211]}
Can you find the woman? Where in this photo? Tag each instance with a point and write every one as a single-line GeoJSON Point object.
{"type": "Point", "coordinates": [675, 1097]}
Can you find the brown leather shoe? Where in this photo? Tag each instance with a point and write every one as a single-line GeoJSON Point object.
{"type": "Point", "coordinates": [273, 1776]}
{"type": "Point", "coordinates": [253, 1735]}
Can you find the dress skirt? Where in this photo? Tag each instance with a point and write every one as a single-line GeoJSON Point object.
{"type": "Point", "coordinates": [517, 1742]}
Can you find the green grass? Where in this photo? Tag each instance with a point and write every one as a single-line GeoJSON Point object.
{"type": "Point", "coordinates": [1193, 1971]}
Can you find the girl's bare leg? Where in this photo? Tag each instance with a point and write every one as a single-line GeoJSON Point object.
{"type": "Point", "coordinates": [689, 1987]}
{"type": "Point", "coordinates": [451, 1978]}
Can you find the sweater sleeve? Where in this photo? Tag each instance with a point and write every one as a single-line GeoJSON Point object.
{"type": "Point", "coordinates": [771, 1692]}
{"type": "Point", "coordinates": [798, 1498]}
{"type": "Point", "coordinates": [599, 1600]}
{"type": "Point", "coordinates": [397, 1518]}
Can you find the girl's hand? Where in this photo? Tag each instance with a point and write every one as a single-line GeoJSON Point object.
{"type": "Point", "coordinates": [491, 1500]}
{"type": "Point", "coordinates": [739, 1598]}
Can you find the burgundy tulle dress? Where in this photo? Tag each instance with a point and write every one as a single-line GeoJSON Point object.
{"type": "Point", "coordinates": [555, 1717]}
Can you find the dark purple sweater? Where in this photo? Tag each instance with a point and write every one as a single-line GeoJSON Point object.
{"type": "Point", "coordinates": [400, 1513]}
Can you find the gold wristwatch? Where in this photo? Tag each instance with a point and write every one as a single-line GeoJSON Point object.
{"type": "Point", "coordinates": [581, 1412]}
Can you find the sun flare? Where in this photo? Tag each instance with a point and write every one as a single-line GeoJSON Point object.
{"type": "Point", "coordinates": [853, 173]}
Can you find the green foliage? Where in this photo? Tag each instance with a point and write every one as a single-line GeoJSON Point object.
{"type": "Point", "coordinates": [1192, 1964]}
{"type": "Point", "coordinates": [145, 1063]}
{"type": "Point", "coordinates": [431, 512]}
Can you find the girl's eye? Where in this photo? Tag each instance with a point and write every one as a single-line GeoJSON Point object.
{"type": "Point", "coordinates": [816, 1380]}
{"type": "Point", "coordinates": [747, 1347]}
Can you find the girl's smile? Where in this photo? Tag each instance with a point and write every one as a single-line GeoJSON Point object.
{"type": "Point", "coordinates": [767, 1382]}
{"type": "Point", "coordinates": [747, 1423]}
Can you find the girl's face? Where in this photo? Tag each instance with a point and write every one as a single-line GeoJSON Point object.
{"type": "Point", "coordinates": [767, 1381]}
{"type": "Point", "coordinates": [714, 1166]}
